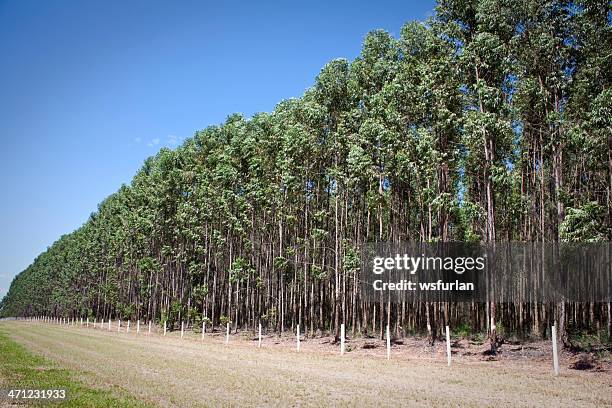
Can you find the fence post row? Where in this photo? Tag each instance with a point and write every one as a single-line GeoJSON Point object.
{"type": "Point", "coordinates": [73, 321]}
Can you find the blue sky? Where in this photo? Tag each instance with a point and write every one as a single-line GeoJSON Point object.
{"type": "Point", "coordinates": [89, 89]}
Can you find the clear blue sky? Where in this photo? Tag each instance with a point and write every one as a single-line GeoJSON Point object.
{"type": "Point", "coordinates": [89, 89]}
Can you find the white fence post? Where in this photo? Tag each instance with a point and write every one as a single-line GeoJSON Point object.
{"type": "Point", "coordinates": [298, 337]}
{"type": "Point", "coordinates": [118, 325]}
{"type": "Point", "coordinates": [149, 327]}
{"type": "Point", "coordinates": [109, 324]}
{"type": "Point", "coordinates": [128, 327]}
{"type": "Point", "coordinates": [165, 327]}
{"type": "Point", "coordinates": [227, 334]}
{"type": "Point", "coordinates": [259, 342]}
{"type": "Point", "coordinates": [448, 346]}
{"type": "Point", "coordinates": [342, 339]}
{"type": "Point", "coordinates": [203, 329]}
{"type": "Point", "coordinates": [81, 321]}
{"type": "Point", "coordinates": [388, 343]}
{"type": "Point", "coordinates": [554, 346]}
{"type": "Point", "coordinates": [87, 324]}
{"type": "Point", "coordinates": [138, 327]}
{"type": "Point", "coordinates": [182, 329]}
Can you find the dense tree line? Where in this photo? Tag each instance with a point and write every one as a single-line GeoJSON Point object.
{"type": "Point", "coordinates": [489, 122]}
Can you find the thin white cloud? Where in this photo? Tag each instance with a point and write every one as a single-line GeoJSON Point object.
{"type": "Point", "coordinates": [174, 140]}
{"type": "Point", "coordinates": [137, 140]}
{"type": "Point", "coordinates": [153, 142]}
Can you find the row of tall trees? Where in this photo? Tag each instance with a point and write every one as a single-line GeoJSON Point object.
{"type": "Point", "coordinates": [489, 122]}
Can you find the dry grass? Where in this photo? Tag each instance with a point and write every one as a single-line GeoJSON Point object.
{"type": "Point", "coordinates": [173, 372]}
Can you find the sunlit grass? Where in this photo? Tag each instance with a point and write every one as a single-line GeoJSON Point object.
{"type": "Point", "coordinates": [20, 369]}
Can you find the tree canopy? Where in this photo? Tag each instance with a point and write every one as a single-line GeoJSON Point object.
{"type": "Point", "coordinates": [490, 121]}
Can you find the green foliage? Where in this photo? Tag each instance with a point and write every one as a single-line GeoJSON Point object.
{"type": "Point", "coordinates": [351, 261]}
{"type": "Point", "coordinates": [174, 314]}
{"type": "Point", "coordinates": [584, 224]}
{"type": "Point", "coordinates": [462, 331]}
{"type": "Point", "coordinates": [241, 270]}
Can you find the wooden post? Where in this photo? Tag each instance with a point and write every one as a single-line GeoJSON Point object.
{"type": "Point", "coordinates": [554, 346]}
{"type": "Point", "coordinates": [227, 334]}
{"type": "Point", "coordinates": [298, 338]}
{"type": "Point", "coordinates": [203, 329]}
{"type": "Point", "coordinates": [118, 325]}
{"type": "Point", "coordinates": [165, 327]}
{"type": "Point", "coordinates": [342, 339]}
{"type": "Point", "coordinates": [138, 327]}
{"type": "Point", "coordinates": [149, 327]}
{"type": "Point", "coordinates": [128, 327]}
{"type": "Point", "coordinates": [182, 329]}
{"type": "Point", "coordinates": [259, 342]}
{"type": "Point", "coordinates": [109, 324]}
{"type": "Point", "coordinates": [388, 344]}
{"type": "Point", "coordinates": [87, 324]}
{"type": "Point", "coordinates": [448, 346]}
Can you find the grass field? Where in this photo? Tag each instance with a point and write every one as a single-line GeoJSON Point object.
{"type": "Point", "coordinates": [171, 372]}
{"type": "Point", "coordinates": [21, 369]}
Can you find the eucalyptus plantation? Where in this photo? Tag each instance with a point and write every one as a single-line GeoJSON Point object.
{"type": "Point", "coordinates": [489, 122]}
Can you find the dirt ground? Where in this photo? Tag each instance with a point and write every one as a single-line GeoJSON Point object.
{"type": "Point", "coordinates": [168, 371]}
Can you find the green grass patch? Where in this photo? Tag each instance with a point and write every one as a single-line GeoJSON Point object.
{"type": "Point", "coordinates": [20, 369]}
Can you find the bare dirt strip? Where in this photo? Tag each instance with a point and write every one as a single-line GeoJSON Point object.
{"type": "Point", "coordinates": [169, 372]}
